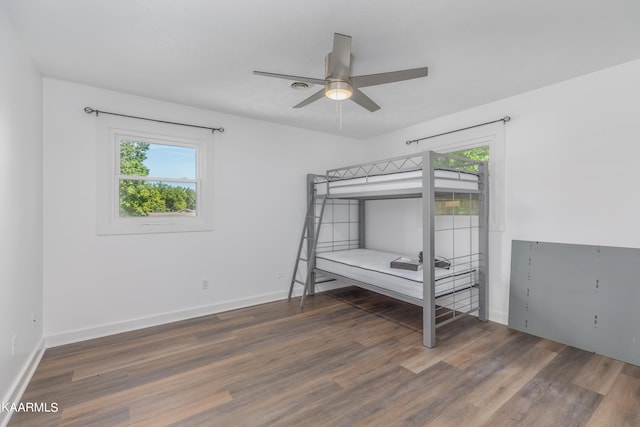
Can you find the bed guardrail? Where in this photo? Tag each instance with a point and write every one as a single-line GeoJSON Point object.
{"type": "Point", "coordinates": [403, 164]}
{"type": "Point", "coordinates": [382, 167]}
{"type": "Point", "coordinates": [400, 177]}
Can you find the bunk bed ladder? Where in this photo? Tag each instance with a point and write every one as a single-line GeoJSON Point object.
{"type": "Point", "coordinates": [310, 233]}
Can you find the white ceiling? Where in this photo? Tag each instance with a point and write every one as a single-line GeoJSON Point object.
{"type": "Point", "coordinates": [202, 52]}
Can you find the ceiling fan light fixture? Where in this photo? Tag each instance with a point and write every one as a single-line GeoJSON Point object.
{"type": "Point", "coordinates": [338, 91]}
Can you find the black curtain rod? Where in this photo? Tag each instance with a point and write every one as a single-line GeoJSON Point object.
{"type": "Point", "coordinates": [90, 110]}
{"type": "Point", "coordinates": [505, 119]}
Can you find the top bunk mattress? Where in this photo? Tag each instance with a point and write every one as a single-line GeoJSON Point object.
{"type": "Point", "coordinates": [401, 182]}
{"type": "Point", "coordinates": [374, 268]}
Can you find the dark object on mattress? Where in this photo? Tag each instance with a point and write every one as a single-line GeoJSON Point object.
{"type": "Point", "coordinates": [406, 264]}
{"type": "Point", "coordinates": [442, 263]}
{"type": "Point", "coordinates": [439, 262]}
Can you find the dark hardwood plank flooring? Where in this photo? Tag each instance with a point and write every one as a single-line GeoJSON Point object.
{"type": "Point", "coordinates": [349, 358]}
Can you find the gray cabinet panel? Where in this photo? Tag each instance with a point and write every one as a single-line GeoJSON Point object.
{"type": "Point", "coordinates": [618, 304]}
{"type": "Point", "coordinates": [580, 295]}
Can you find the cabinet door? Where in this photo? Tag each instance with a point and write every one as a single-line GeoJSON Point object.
{"type": "Point", "coordinates": [558, 287]}
{"type": "Point", "coordinates": [618, 304]}
{"type": "Point", "coordinates": [579, 295]}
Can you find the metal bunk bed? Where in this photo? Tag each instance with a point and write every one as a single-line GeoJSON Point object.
{"type": "Point", "coordinates": [454, 194]}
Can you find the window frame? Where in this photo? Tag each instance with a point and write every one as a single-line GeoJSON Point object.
{"type": "Point", "coordinates": [109, 220]}
{"type": "Point", "coordinates": [492, 136]}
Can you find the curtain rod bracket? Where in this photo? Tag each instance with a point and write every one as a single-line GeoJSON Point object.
{"type": "Point", "coordinates": [505, 119]}
{"type": "Point", "coordinates": [90, 110]}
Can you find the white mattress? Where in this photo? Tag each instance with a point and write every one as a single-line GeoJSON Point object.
{"type": "Point", "coordinates": [400, 181]}
{"type": "Point", "coordinates": [373, 267]}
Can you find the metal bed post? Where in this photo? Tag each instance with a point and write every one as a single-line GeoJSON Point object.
{"type": "Point", "coordinates": [361, 235]}
{"type": "Point", "coordinates": [428, 249]}
{"type": "Point", "coordinates": [483, 240]}
{"type": "Point", "coordinates": [311, 196]}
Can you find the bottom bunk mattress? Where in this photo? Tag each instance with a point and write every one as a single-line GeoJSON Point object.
{"type": "Point", "coordinates": [374, 268]}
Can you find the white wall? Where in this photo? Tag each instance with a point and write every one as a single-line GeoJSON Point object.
{"type": "Point", "coordinates": [97, 285]}
{"type": "Point", "coordinates": [20, 210]}
{"type": "Point", "coordinates": [571, 166]}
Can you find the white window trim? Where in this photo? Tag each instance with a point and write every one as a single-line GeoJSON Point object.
{"type": "Point", "coordinates": [492, 136]}
{"type": "Point", "coordinates": [108, 219]}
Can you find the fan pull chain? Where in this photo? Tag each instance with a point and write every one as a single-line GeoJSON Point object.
{"type": "Point", "coordinates": [339, 114]}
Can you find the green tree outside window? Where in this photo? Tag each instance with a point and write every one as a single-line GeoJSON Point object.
{"type": "Point", "coordinates": [141, 197]}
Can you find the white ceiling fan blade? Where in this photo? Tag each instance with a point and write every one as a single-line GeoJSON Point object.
{"type": "Point", "coordinates": [364, 101]}
{"type": "Point", "coordinates": [294, 78]}
{"type": "Point", "coordinates": [384, 78]}
{"type": "Point", "coordinates": [310, 99]}
{"type": "Point", "coordinates": [339, 60]}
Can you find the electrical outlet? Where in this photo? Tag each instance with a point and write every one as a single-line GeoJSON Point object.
{"type": "Point", "coordinates": [13, 345]}
{"type": "Point", "coordinates": [205, 284]}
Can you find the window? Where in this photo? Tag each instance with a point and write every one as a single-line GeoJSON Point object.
{"type": "Point", "coordinates": [476, 153]}
{"type": "Point", "coordinates": [461, 204]}
{"type": "Point", "coordinates": [484, 143]}
{"type": "Point", "coordinates": [156, 179]}
{"type": "Point", "coordinates": [153, 183]}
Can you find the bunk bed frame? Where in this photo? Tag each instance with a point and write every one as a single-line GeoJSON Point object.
{"type": "Point", "coordinates": [414, 176]}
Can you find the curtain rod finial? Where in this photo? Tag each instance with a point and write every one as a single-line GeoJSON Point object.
{"type": "Point", "coordinates": [506, 119]}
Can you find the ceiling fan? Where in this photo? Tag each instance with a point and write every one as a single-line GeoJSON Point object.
{"type": "Point", "coordinates": [339, 84]}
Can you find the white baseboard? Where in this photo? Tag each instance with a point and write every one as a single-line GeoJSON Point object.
{"type": "Point", "coordinates": [20, 384]}
{"type": "Point", "coordinates": [322, 287]}
{"type": "Point", "coordinates": [130, 325]}
{"type": "Point", "coordinates": [499, 317]}
{"type": "Point", "coordinates": [145, 322]}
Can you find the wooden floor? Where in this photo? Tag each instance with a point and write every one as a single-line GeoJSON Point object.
{"type": "Point", "coordinates": [331, 364]}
